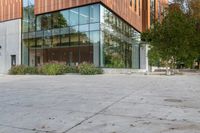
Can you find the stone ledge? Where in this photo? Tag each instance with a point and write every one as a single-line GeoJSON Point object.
{"type": "Point", "coordinates": [123, 71]}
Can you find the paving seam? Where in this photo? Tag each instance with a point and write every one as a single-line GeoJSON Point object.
{"type": "Point", "coordinates": [99, 112]}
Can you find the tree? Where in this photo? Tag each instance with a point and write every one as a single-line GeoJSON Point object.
{"type": "Point", "coordinates": [192, 9]}
{"type": "Point", "coordinates": [173, 38]}
{"type": "Point", "coordinates": [195, 8]}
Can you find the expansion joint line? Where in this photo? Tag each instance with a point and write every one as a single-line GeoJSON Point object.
{"type": "Point", "coordinates": [99, 112]}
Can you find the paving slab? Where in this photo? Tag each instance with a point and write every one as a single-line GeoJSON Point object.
{"type": "Point", "coordinates": [123, 124]}
{"type": "Point", "coordinates": [100, 104]}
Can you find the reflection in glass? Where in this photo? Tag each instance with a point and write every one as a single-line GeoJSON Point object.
{"type": "Point", "coordinates": [43, 22]}
{"type": "Point", "coordinates": [65, 40]}
{"type": "Point", "coordinates": [32, 51]}
{"type": "Point", "coordinates": [64, 19]}
{"type": "Point", "coordinates": [39, 24]}
{"type": "Point", "coordinates": [84, 38]}
{"type": "Point", "coordinates": [46, 21]}
{"type": "Point", "coordinates": [65, 37]}
{"type": "Point", "coordinates": [56, 18]}
{"type": "Point", "coordinates": [84, 15]}
{"type": "Point", "coordinates": [73, 16]}
{"type": "Point", "coordinates": [76, 35]}
{"type": "Point", "coordinates": [83, 28]}
{"type": "Point", "coordinates": [118, 43]}
{"type": "Point", "coordinates": [94, 11]}
{"type": "Point", "coordinates": [74, 39]}
{"type": "Point", "coordinates": [25, 47]}
{"type": "Point", "coordinates": [25, 19]}
{"type": "Point", "coordinates": [95, 42]}
{"type": "Point", "coordinates": [56, 41]}
{"type": "Point", "coordinates": [94, 26]}
{"type": "Point", "coordinates": [86, 50]}
{"type": "Point", "coordinates": [60, 19]}
{"type": "Point", "coordinates": [47, 42]}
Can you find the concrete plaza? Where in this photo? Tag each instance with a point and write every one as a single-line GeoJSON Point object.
{"type": "Point", "coordinates": [100, 104]}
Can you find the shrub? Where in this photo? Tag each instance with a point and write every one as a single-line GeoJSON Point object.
{"type": "Point", "coordinates": [71, 69]}
{"type": "Point", "coordinates": [56, 69]}
{"type": "Point", "coordinates": [31, 70]}
{"type": "Point", "coordinates": [22, 70]}
{"type": "Point", "coordinates": [18, 70]}
{"type": "Point", "coordinates": [52, 69]}
{"type": "Point", "coordinates": [89, 69]}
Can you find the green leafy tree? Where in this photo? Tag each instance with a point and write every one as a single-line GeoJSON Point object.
{"type": "Point", "coordinates": [174, 38]}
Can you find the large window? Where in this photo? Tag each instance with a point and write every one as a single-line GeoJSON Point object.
{"type": "Point", "coordinates": [64, 19]}
{"type": "Point", "coordinates": [65, 36]}
{"type": "Point", "coordinates": [84, 15]}
{"type": "Point", "coordinates": [32, 50]}
{"type": "Point", "coordinates": [25, 50]}
{"type": "Point", "coordinates": [95, 42]}
{"type": "Point", "coordinates": [28, 21]}
{"type": "Point", "coordinates": [56, 41]}
{"type": "Point", "coordinates": [94, 10]}
{"type": "Point", "coordinates": [38, 23]}
{"type": "Point", "coordinates": [74, 16]}
{"type": "Point", "coordinates": [44, 22]}
{"type": "Point", "coordinates": [25, 19]}
{"type": "Point", "coordinates": [118, 41]}
{"type": "Point", "coordinates": [56, 20]}
{"type": "Point", "coordinates": [84, 38]}
{"type": "Point", "coordinates": [47, 39]}
{"type": "Point", "coordinates": [76, 35]}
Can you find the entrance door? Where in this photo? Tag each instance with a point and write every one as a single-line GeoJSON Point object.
{"type": "Point", "coordinates": [13, 60]}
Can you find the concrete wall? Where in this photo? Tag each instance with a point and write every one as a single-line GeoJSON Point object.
{"type": "Point", "coordinates": [10, 43]}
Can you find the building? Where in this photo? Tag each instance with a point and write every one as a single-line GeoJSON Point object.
{"type": "Point", "coordinates": [103, 32]}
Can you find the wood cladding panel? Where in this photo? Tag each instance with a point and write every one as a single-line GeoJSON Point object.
{"type": "Point", "coordinates": [43, 6]}
{"type": "Point", "coordinates": [160, 5]}
{"type": "Point", "coordinates": [129, 13]}
{"type": "Point", "coordinates": [10, 9]}
{"type": "Point", "coordinates": [120, 7]}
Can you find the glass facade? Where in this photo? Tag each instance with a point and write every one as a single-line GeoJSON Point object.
{"type": "Point", "coordinates": [90, 33]}
{"type": "Point", "coordinates": [120, 42]}
{"type": "Point", "coordinates": [28, 30]}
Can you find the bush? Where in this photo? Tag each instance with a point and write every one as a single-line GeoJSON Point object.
{"type": "Point", "coordinates": [22, 70]}
{"type": "Point", "coordinates": [31, 70]}
{"type": "Point", "coordinates": [56, 69]}
{"type": "Point", "coordinates": [17, 70]}
{"type": "Point", "coordinates": [53, 69]}
{"type": "Point", "coordinates": [71, 69]}
{"type": "Point", "coordinates": [89, 69]}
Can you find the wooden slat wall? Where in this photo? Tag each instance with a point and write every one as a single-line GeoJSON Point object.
{"type": "Point", "coordinates": [120, 7]}
{"type": "Point", "coordinates": [146, 11]}
{"type": "Point", "coordinates": [145, 14]}
{"type": "Point", "coordinates": [10, 9]}
{"type": "Point", "coordinates": [43, 6]}
{"type": "Point", "coordinates": [127, 12]}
